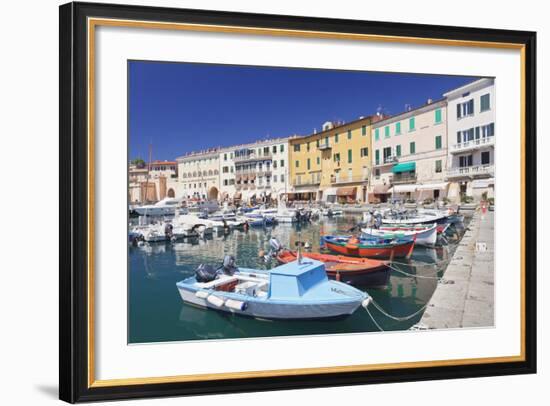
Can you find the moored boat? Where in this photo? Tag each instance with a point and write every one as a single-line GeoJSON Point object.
{"type": "Point", "coordinates": [426, 236]}
{"type": "Point", "coordinates": [297, 290]}
{"type": "Point", "coordinates": [368, 248]}
{"type": "Point", "coordinates": [355, 271]}
{"type": "Point", "coordinates": [165, 207]}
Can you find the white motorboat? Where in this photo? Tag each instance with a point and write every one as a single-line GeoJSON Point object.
{"type": "Point", "coordinates": [419, 217]}
{"type": "Point", "coordinates": [165, 207]}
{"type": "Point", "coordinates": [209, 206]}
{"type": "Point", "coordinates": [332, 212]}
{"type": "Point", "coordinates": [285, 216]}
{"type": "Point", "coordinates": [188, 225]}
{"type": "Point", "coordinates": [426, 236]}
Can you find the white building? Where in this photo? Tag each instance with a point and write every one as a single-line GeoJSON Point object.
{"type": "Point", "coordinates": [256, 171]}
{"type": "Point", "coordinates": [198, 175]}
{"type": "Point", "coordinates": [471, 140]}
{"type": "Point", "coordinates": [227, 174]}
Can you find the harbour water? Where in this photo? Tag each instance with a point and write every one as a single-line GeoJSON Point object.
{"type": "Point", "coordinates": [157, 313]}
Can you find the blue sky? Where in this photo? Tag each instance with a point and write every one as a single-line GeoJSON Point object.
{"type": "Point", "coordinates": [180, 107]}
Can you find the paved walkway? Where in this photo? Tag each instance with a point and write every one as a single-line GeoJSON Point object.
{"type": "Point", "coordinates": [465, 297]}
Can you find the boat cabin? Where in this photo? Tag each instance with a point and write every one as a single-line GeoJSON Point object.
{"type": "Point", "coordinates": [293, 280]}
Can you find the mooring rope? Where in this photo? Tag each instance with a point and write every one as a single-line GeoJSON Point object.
{"type": "Point", "coordinates": [414, 275]}
{"type": "Point", "coordinates": [443, 261]}
{"type": "Point", "coordinates": [373, 320]}
{"type": "Point", "coordinates": [385, 313]}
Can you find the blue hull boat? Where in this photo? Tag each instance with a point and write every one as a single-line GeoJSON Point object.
{"type": "Point", "coordinates": [297, 290]}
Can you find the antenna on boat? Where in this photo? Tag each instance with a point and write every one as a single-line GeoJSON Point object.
{"type": "Point", "coordinates": [299, 253]}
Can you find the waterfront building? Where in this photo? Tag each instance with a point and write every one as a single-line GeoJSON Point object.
{"type": "Point", "coordinates": [137, 185]}
{"type": "Point", "coordinates": [198, 175]}
{"type": "Point", "coordinates": [255, 172]}
{"type": "Point", "coordinates": [410, 155]}
{"type": "Point", "coordinates": [471, 129]}
{"type": "Point", "coordinates": [334, 164]}
{"type": "Point", "coordinates": [167, 169]}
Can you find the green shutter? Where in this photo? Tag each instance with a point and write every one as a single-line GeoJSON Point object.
{"type": "Point", "coordinates": [377, 134]}
{"type": "Point", "coordinates": [349, 134]}
{"type": "Point", "coordinates": [398, 150]}
{"type": "Point", "coordinates": [336, 138]}
{"type": "Point", "coordinates": [438, 116]}
{"type": "Point", "coordinates": [438, 142]}
{"type": "Point", "coordinates": [387, 131]}
{"type": "Point", "coordinates": [438, 166]}
{"type": "Point", "coordinates": [485, 102]}
{"type": "Point", "coordinates": [397, 128]}
{"type": "Point", "coordinates": [377, 157]}
{"type": "Point", "coordinates": [297, 164]}
{"type": "Point", "coordinates": [411, 123]}
{"type": "Point", "coordinates": [308, 164]}
{"type": "Point", "coordinates": [349, 156]}
{"type": "Point", "coordinates": [412, 147]}
{"type": "Point", "coordinates": [364, 130]}
{"type": "Point", "coordinates": [318, 161]}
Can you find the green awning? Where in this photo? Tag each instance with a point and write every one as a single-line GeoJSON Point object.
{"type": "Point", "coordinates": [404, 167]}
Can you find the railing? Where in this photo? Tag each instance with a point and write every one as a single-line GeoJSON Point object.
{"type": "Point", "coordinates": [387, 160]}
{"type": "Point", "coordinates": [306, 182]}
{"type": "Point", "coordinates": [348, 179]}
{"type": "Point", "coordinates": [476, 170]}
{"type": "Point", "coordinates": [253, 157]}
{"type": "Point", "coordinates": [396, 180]}
{"type": "Point", "coordinates": [473, 144]}
{"type": "Point", "coordinates": [323, 147]}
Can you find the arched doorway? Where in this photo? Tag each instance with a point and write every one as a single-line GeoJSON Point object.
{"type": "Point", "coordinates": [213, 193]}
{"type": "Point", "coordinates": [171, 193]}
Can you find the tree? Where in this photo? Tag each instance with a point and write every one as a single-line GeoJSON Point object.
{"type": "Point", "coordinates": [138, 162]}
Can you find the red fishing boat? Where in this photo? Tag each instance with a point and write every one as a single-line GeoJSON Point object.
{"type": "Point", "coordinates": [355, 271]}
{"type": "Point", "coordinates": [369, 248]}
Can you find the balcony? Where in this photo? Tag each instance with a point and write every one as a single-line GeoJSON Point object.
{"type": "Point", "coordinates": [388, 160]}
{"type": "Point", "coordinates": [473, 144]}
{"type": "Point", "coordinates": [471, 171]}
{"type": "Point", "coordinates": [306, 182]}
{"type": "Point", "coordinates": [265, 172]}
{"type": "Point", "coordinates": [253, 157]}
{"type": "Point", "coordinates": [341, 180]}
{"type": "Point", "coordinates": [398, 179]}
{"type": "Point", "coordinates": [324, 147]}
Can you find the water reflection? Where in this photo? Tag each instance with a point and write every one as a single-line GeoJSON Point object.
{"type": "Point", "coordinates": [156, 312]}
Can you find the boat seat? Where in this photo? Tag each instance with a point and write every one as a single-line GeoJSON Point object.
{"type": "Point", "coordinates": [222, 280]}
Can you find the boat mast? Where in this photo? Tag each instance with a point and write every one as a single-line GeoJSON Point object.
{"type": "Point", "coordinates": [148, 172]}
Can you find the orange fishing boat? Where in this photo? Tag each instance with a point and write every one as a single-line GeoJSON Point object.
{"type": "Point", "coordinates": [368, 248]}
{"type": "Point", "coordinates": [355, 271]}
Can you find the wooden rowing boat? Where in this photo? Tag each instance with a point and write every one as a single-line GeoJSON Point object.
{"type": "Point", "coordinates": [355, 271]}
{"type": "Point", "coordinates": [367, 248]}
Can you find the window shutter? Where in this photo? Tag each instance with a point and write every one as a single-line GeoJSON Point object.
{"type": "Point", "coordinates": [458, 111]}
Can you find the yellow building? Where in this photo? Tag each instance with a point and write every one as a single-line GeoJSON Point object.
{"type": "Point", "coordinates": [332, 165]}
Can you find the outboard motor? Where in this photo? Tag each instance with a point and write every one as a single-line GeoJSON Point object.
{"type": "Point", "coordinates": [205, 273]}
{"type": "Point", "coordinates": [377, 219]}
{"type": "Point", "coordinates": [228, 265]}
{"type": "Point", "coordinates": [275, 244]}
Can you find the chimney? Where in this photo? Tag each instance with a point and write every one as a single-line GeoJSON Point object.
{"type": "Point", "coordinates": [429, 101]}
